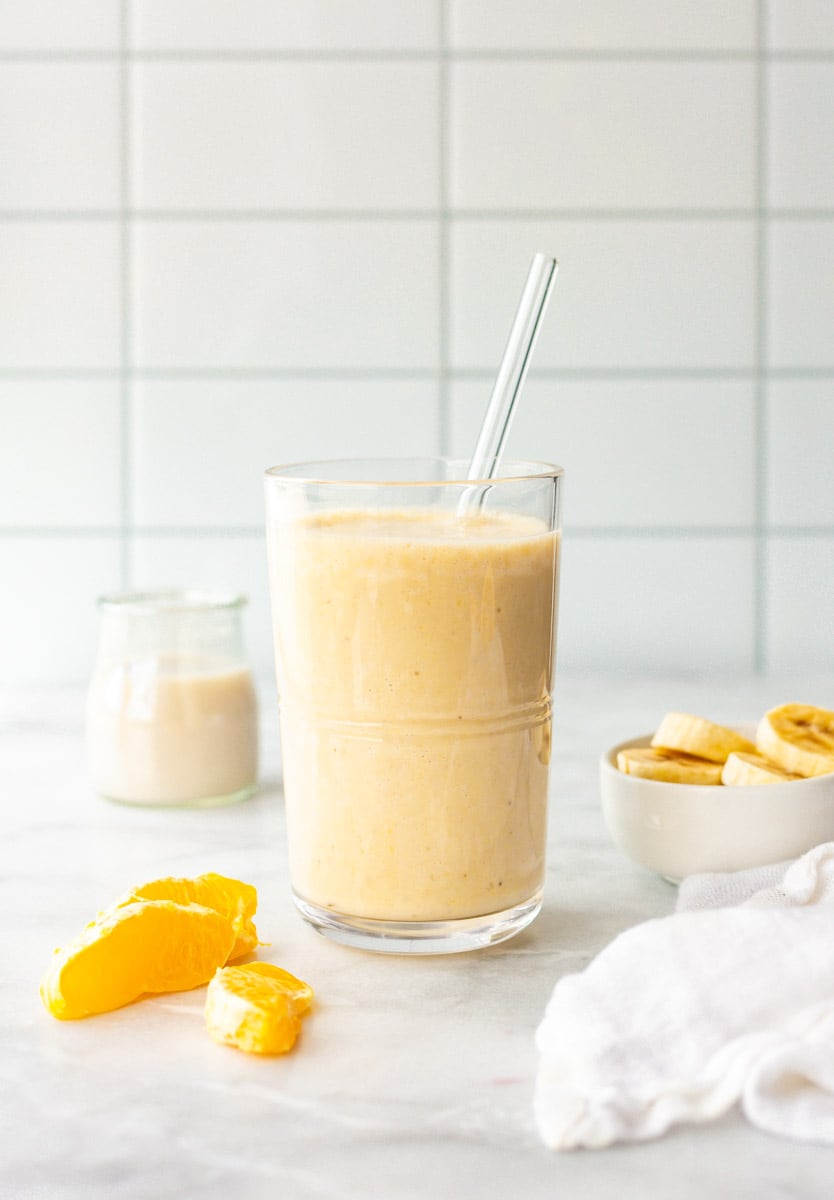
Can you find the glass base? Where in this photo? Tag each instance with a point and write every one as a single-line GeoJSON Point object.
{"type": "Point", "coordinates": [200, 802]}
{"type": "Point", "coordinates": [421, 937]}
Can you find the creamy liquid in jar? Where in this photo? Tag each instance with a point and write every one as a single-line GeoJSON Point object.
{"type": "Point", "coordinates": [171, 731]}
{"type": "Point", "coordinates": [415, 661]}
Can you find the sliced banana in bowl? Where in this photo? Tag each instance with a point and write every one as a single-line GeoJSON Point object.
{"type": "Point", "coordinates": [699, 737]}
{"type": "Point", "coordinates": [668, 766]}
{"type": "Point", "coordinates": [753, 770]}
{"type": "Point", "coordinates": [799, 737]}
{"type": "Point", "coordinates": [678, 812]}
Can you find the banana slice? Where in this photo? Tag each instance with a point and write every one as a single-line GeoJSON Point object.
{"type": "Point", "coordinates": [669, 766]}
{"type": "Point", "coordinates": [742, 770]}
{"type": "Point", "coordinates": [799, 737]}
{"type": "Point", "coordinates": [694, 735]}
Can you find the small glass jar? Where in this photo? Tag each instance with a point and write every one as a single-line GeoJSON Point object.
{"type": "Point", "coordinates": [171, 711]}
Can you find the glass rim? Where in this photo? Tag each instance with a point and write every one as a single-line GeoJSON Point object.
{"type": "Point", "coordinates": [172, 600]}
{"type": "Point", "coordinates": [519, 471]}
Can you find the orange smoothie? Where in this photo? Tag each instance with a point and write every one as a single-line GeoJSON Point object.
{"type": "Point", "coordinates": [415, 661]}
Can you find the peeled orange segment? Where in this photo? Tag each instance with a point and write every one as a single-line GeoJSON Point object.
{"type": "Point", "coordinates": [147, 946]}
{"type": "Point", "coordinates": [799, 737]}
{"type": "Point", "coordinates": [299, 992]}
{"type": "Point", "coordinates": [230, 897]}
{"type": "Point", "coordinates": [746, 770]}
{"type": "Point", "coordinates": [703, 739]}
{"type": "Point", "coordinates": [256, 1008]}
{"type": "Point", "coordinates": [667, 766]}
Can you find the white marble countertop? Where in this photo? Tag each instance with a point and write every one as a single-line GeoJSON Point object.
{"type": "Point", "coordinates": [413, 1077]}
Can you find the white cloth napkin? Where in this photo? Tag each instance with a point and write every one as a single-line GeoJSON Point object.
{"type": "Point", "coordinates": [729, 999]}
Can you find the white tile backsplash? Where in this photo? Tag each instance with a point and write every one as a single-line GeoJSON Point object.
{"type": "Point", "coordinates": [656, 604]}
{"type": "Point", "coordinates": [59, 294]}
{"type": "Point", "coordinates": [232, 234]}
{"type": "Point", "coordinates": [299, 135]}
{"type": "Point", "coordinates": [603, 24]}
{"type": "Point", "coordinates": [800, 294]}
{"type": "Point", "coordinates": [628, 294]}
{"type": "Point", "coordinates": [234, 564]}
{"type": "Point", "coordinates": [602, 134]}
{"type": "Point", "coordinates": [800, 24]}
{"type": "Point", "coordinates": [800, 584]}
{"type": "Point", "coordinates": [59, 127]}
{"type": "Point", "coordinates": [637, 453]}
{"type": "Point", "coordinates": [56, 25]}
{"type": "Point", "coordinates": [48, 606]}
{"type": "Point", "coordinates": [801, 152]}
{"type": "Point", "coordinates": [296, 294]}
{"type": "Point", "coordinates": [285, 24]}
{"type": "Point", "coordinates": [59, 453]}
{"type": "Point", "coordinates": [800, 439]}
{"type": "Point", "coordinates": [243, 427]}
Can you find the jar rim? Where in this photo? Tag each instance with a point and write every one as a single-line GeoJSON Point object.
{"type": "Point", "coordinates": [172, 600]}
{"type": "Point", "coordinates": [326, 471]}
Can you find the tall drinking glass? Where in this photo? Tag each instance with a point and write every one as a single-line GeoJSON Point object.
{"type": "Point", "coordinates": [414, 641]}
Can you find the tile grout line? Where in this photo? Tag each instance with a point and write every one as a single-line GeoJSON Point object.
{"type": "Point", "coordinates": [186, 55]}
{"type": "Point", "coordinates": [324, 374]}
{"type": "Point", "coordinates": [125, 387]}
{"type": "Point", "coordinates": [760, 386]}
{"type": "Point", "coordinates": [577, 532]}
{"type": "Point", "coordinates": [404, 215]}
{"type": "Point", "coordinates": [444, 282]}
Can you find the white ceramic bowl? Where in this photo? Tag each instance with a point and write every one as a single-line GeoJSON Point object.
{"type": "Point", "coordinates": [677, 829]}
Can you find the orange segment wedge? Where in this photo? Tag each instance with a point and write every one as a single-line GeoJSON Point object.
{"type": "Point", "coordinates": [147, 946]}
{"type": "Point", "coordinates": [230, 897]}
{"type": "Point", "coordinates": [299, 992]}
{"type": "Point", "coordinates": [256, 1008]}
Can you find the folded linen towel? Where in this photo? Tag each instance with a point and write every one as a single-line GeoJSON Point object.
{"type": "Point", "coordinates": [729, 999]}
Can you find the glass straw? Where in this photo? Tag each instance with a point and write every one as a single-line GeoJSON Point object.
{"type": "Point", "coordinates": [510, 378]}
